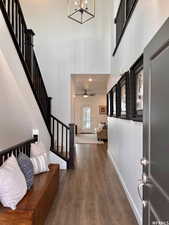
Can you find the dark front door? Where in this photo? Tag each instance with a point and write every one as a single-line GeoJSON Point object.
{"type": "Point", "coordinates": [156, 130]}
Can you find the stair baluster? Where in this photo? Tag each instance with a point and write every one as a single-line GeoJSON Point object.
{"type": "Point", "coordinates": [62, 142]}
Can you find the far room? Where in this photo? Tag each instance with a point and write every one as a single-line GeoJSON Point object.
{"type": "Point", "coordinates": [89, 107]}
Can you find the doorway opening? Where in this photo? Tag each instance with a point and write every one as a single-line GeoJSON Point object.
{"type": "Point", "coordinates": [89, 107]}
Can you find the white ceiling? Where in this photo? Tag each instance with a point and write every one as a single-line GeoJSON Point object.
{"type": "Point", "coordinates": [97, 86]}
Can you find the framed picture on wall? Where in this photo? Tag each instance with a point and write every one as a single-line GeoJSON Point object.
{"type": "Point", "coordinates": [124, 94]}
{"type": "Point", "coordinates": [102, 110]}
{"type": "Point", "coordinates": [136, 79]}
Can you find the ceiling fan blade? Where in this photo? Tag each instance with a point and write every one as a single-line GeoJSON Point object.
{"type": "Point", "coordinates": [86, 93]}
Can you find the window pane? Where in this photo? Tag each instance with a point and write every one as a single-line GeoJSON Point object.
{"type": "Point", "coordinates": [139, 91]}
{"type": "Point", "coordinates": [123, 99]}
{"type": "Point", "coordinates": [86, 117]}
{"type": "Point", "coordinates": [120, 20]}
{"type": "Point", "coordinates": [114, 103]}
{"type": "Point", "coordinates": [109, 104]}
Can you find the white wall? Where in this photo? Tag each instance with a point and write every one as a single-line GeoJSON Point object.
{"type": "Point", "coordinates": [65, 47]}
{"type": "Point", "coordinates": [125, 137]}
{"type": "Point", "coordinates": [94, 102]}
{"type": "Point", "coordinates": [125, 150]}
{"type": "Point", "coordinates": [19, 113]}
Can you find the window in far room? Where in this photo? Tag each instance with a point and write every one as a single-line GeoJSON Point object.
{"type": "Point", "coordinates": [86, 117]}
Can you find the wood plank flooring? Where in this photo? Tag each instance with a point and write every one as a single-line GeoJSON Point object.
{"type": "Point", "coordinates": [91, 194]}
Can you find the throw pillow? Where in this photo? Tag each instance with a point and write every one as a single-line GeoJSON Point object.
{"type": "Point", "coordinates": [40, 163]}
{"type": "Point", "coordinates": [13, 185]}
{"type": "Point", "coordinates": [37, 149]}
{"type": "Point", "coordinates": [26, 167]}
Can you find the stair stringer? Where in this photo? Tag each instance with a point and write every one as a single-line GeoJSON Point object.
{"type": "Point", "coordinates": [56, 159]}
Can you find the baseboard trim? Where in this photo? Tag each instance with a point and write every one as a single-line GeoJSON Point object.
{"type": "Point", "coordinates": [132, 204]}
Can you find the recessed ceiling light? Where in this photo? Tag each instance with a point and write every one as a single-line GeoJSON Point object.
{"type": "Point", "coordinates": [90, 79]}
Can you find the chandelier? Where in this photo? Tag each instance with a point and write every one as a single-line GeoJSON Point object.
{"type": "Point", "coordinates": [81, 11]}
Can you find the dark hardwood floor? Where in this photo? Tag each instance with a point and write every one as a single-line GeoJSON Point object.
{"type": "Point", "coordinates": [91, 194]}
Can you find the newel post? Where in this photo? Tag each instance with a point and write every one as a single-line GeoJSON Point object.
{"type": "Point", "coordinates": [71, 164]}
{"type": "Point", "coordinates": [29, 54]}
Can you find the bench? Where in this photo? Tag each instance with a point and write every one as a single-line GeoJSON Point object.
{"type": "Point", "coordinates": [34, 207]}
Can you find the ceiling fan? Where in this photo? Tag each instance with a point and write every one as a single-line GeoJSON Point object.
{"type": "Point", "coordinates": [86, 94]}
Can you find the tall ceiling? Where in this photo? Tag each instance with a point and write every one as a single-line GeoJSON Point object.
{"type": "Point", "coordinates": [97, 86]}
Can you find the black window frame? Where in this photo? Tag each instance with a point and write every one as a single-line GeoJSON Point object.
{"type": "Point", "coordinates": [136, 115]}
{"type": "Point", "coordinates": [124, 13]}
{"type": "Point", "coordinates": [124, 80]}
{"type": "Point", "coordinates": [109, 104]}
{"type": "Point", "coordinates": [114, 91]}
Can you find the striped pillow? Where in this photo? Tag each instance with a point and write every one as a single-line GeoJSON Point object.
{"type": "Point", "coordinates": [38, 149]}
{"type": "Point", "coordinates": [40, 163]}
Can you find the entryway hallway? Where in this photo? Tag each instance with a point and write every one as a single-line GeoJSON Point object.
{"type": "Point", "coordinates": [91, 194]}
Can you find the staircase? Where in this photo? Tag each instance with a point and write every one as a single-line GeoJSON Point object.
{"type": "Point", "coordinates": [62, 135]}
{"type": "Point", "coordinates": [62, 142]}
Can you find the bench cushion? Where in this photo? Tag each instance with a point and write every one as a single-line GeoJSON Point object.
{"type": "Point", "coordinates": [34, 207]}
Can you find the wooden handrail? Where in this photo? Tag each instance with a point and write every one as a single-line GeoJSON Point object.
{"type": "Point", "coordinates": [16, 149]}
{"type": "Point", "coordinates": [59, 121]}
